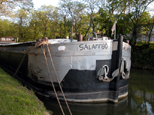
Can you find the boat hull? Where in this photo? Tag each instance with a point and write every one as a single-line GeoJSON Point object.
{"type": "Point", "coordinates": [76, 64]}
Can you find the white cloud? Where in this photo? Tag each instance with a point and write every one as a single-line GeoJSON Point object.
{"type": "Point", "coordinates": [39, 3]}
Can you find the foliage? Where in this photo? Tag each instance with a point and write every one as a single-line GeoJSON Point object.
{"type": "Point", "coordinates": [143, 55]}
{"type": "Point", "coordinates": [133, 20]}
{"type": "Point", "coordinates": [75, 11]}
{"type": "Point", "coordinates": [8, 28]}
{"type": "Point", "coordinates": [7, 6]}
{"type": "Point", "coordinates": [105, 21]}
{"type": "Point", "coordinates": [16, 99]}
{"type": "Point", "coordinates": [137, 11]}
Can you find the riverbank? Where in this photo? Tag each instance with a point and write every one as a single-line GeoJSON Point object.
{"type": "Point", "coordinates": [16, 99]}
{"type": "Point", "coordinates": [143, 56]}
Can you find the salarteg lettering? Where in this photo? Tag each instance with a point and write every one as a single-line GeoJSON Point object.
{"type": "Point", "coordinates": [93, 46]}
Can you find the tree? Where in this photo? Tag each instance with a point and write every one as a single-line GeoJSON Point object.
{"type": "Point", "coordinates": [23, 21]}
{"type": "Point", "coordinates": [44, 16]}
{"type": "Point", "coordinates": [46, 21]}
{"type": "Point", "coordinates": [4, 27]}
{"type": "Point", "coordinates": [35, 26]}
{"type": "Point", "coordinates": [147, 25]}
{"type": "Point", "coordinates": [56, 25]}
{"type": "Point", "coordinates": [137, 9]}
{"type": "Point", "coordinates": [74, 10]}
{"type": "Point", "coordinates": [8, 28]}
{"type": "Point", "coordinates": [92, 7]}
{"type": "Point", "coordinates": [7, 6]}
{"type": "Point", "coordinates": [91, 10]}
{"type": "Point", "coordinates": [107, 14]}
{"type": "Point", "coordinates": [129, 15]}
{"type": "Point", "coordinates": [105, 21]}
{"type": "Point", "coordinates": [65, 19]}
{"type": "Point", "coordinates": [151, 27]}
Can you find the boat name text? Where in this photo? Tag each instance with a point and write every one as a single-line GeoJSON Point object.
{"type": "Point", "coordinates": [101, 46]}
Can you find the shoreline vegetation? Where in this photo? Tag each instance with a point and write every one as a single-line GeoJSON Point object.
{"type": "Point", "coordinates": [16, 99]}
{"type": "Point", "coordinates": [143, 56]}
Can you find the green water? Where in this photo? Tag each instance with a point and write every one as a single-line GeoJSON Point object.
{"type": "Point", "coordinates": [141, 93]}
{"type": "Point", "coordinates": [140, 100]}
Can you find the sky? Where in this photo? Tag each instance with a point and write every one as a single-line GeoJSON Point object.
{"type": "Point", "coordinates": [39, 3]}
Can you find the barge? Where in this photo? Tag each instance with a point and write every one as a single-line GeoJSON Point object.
{"type": "Point", "coordinates": [90, 71]}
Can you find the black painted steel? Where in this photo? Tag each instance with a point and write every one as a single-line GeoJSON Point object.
{"type": "Point", "coordinates": [116, 61]}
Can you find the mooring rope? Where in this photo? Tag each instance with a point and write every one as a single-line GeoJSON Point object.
{"type": "Point", "coordinates": [58, 80]}
{"type": "Point", "coordinates": [20, 64]}
{"type": "Point", "coordinates": [37, 45]}
{"type": "Point", "coordinates": [52, 83]}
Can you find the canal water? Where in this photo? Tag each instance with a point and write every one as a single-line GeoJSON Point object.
{"type": "Point", "coordinates": [140, 100]}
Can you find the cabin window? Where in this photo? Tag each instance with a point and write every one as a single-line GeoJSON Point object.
{"type": "Point", "coordinates": [8, 39]}
{"type": "Point", "coordinates": [3, 39]}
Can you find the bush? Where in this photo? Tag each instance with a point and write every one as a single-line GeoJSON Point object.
{"type": "Point", "coordinates": [143, 56]}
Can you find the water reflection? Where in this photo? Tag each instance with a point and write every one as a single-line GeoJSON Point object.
{"type": "Point", "coordinates": [88, 109]}
{"type": "Point", "coordinates": [141, 93]}
{"type": "Point", "coordinates": [140, 99]}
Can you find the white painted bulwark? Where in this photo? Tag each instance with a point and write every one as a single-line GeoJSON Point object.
{"type": "Point", "coordinates": [66, 56]}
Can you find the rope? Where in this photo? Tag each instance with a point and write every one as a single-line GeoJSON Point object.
{"type": "Point", "coordinates": [58, 80]}
{"type": "Point", "coordinates": [124, 74]}
{"type": "Point", "coordinates": [52, 83]}
{"type": "Point", "coordinates": [37, 45]}
{"type": "Point", "coordinates": [102, 74]}
{"type": "Point", "coordinates": [20, 64]}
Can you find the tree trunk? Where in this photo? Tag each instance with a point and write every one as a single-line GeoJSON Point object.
{"type": "Point", "coordinates": [45, 30]}
{"type": "Point", "coordinates": [149, 36]}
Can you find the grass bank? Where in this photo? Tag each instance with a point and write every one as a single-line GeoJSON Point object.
{"type": "Point", "coordinates": [143, 56]}
{"type": "Point", "coordinates": [16, 99]}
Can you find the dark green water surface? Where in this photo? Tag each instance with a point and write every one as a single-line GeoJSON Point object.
{"type": "Point", "coordinates": [140, 100]}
